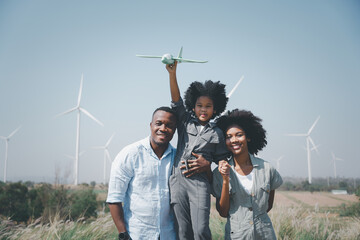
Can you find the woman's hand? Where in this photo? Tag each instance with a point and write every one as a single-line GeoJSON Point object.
{"type": "Point", "coordinates": [224, 169]}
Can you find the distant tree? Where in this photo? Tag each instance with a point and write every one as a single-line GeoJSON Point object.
{"type": "Point", "coordinates": [13, 202]}
{"type": "Point", "coordinates": [305, 185]}
{"type": "Point", "coordinates": [93, 183]}
{"type": "Point", "coordinates": [36, 205]}
{"type": "Point", "coordinates": [29, 184]}
{"type": "Point", "coordinates": [288, 186]}
{"type": "Point", "coordinates": [343, 185]}
{"type": "Point", "coordinates": [58, 203]}
{"type": "Point", "coordinates": [357, 192]}
{"type": "Point", "coordinates": [83, 204]}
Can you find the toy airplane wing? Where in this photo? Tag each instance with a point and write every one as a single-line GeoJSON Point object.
{"type": "Point", "coordinates": [189, 60]}
{"type": "Point", "coordinates": [148, 56]}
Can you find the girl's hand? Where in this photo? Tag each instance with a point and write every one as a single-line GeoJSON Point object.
{"type": "Point", "coordinates": [171, 68]}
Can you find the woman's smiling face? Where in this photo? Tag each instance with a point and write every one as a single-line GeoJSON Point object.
{"type": "Point", "coordinates": [236, 140]}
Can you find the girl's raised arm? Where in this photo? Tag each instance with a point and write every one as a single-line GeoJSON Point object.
{"type": "Point", "coordinates": [174, 88]}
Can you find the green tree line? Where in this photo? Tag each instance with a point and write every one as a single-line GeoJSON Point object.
{"type": "Point", "coordinates": [23, 202]}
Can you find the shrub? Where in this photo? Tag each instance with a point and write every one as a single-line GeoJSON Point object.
{"type": "Point", "coordinates": [352, 210]}
{"type": "Point", "coordinates": [13, 202]}
{"type": "Point", "coordinates": [83, 204]}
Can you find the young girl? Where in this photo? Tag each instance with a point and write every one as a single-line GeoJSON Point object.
{"type": "Point", "coordinates": [198, 139]}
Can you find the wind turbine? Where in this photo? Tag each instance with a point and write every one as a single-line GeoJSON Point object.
{"type": "Point", "coordinates": [278, 163]}
{"type": "Point", "coordinates": [334, 160]}
{"type": "Point", "coordinates": [79, 110]}
{"type": "Point", "coordinates": [106, 154]}
{"type": "Point", "coordinates": [7, 139]}
{"type": "Point", "coordinates": [308, 141]}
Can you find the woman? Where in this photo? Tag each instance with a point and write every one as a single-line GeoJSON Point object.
{"type": "Point", "coordinates": [244, 186]}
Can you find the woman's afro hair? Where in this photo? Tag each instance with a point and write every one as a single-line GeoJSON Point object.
{"type": "Point", "coordinates": [249, 123]}
{"type": "Point", "coordinates": [214, 90]}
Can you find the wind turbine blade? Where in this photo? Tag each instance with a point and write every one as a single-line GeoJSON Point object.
{"type": "Point", "coordinates": [66, 112]}
{"type": "Point", "coordinates": [11, 134]}
{"type": "Point", "coordinates": [234, 88]}
{"type": "Point", "coordinates": [336, 158]}
{"type": "Point", "coordinates": [148, 56]}
{"type": "Point", "coordinates": [180, 53]}
{"type": "Point", "coordinates": [297, 135]}
{"type": "Point", "coordinates": [312, 127]}
{"type": "Point", "coordinates": [316, 149]}
{"type": "Point", "coordinates": [91, 116]}
{"type": "Point", "coordinates": [313, 144]}
{"type": "Point", "coordinates": [80, 90]}
{"type": "Point", "coordinates": [108, 142]}
{"type": "Point", "coordinates": [189, 60]}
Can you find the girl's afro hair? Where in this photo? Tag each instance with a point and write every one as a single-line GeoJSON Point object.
{"type": "Point", "coordinates": [249, 123]}
{"type": "Point", "coordinates": [214, 90]}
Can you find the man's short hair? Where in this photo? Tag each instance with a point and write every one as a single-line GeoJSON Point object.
{"type": "Point", "coordinates": [165, 109]}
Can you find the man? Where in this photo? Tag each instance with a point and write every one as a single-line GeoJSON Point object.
{"type": "Point", "coordinates": [138, 197]}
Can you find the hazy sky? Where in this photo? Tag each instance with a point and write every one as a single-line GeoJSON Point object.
{"type": "Point", "coordinates": [300, 60]}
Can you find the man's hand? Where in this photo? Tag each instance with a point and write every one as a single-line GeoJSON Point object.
{"type": "Point", "coordinates": [198, 165]}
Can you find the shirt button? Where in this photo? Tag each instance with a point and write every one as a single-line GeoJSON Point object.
{"type": "Point", "coordinates": [251, 222]}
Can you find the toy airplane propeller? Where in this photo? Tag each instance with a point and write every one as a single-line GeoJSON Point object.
{"type": "Point", "coordinates": [170, 59]}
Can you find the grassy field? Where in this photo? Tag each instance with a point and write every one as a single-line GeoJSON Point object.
{"type": "Point", "coordinates": [296, 215]}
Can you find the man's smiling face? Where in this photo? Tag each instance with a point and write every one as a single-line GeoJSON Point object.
{"type": "Point", "coordinates": [162, 126]}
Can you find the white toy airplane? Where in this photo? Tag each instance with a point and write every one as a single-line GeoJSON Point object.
{"type": "Point", "coordinates": [170, 59]}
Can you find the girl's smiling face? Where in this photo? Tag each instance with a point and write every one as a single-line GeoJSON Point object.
{"type": "Point", "coordinates": [204, 109]}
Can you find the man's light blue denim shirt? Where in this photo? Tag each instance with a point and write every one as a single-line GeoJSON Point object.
{"type": "Point", "coordinates": [139, 179]}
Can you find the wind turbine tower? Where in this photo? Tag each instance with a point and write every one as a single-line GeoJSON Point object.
{"type": "Point", "coordinates": [7, 139]}
{"type": "Point", "coordinates": [79, 110]}
{"type": "Point", "coordinates": [334, 160]}
{"type": "Point", "coordinates": [308, 141]}
{"type": "Point", "coordinates": [106, 154]}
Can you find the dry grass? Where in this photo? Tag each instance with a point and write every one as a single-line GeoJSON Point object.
{"type": "Point", "coordinates": [99, 228]}
{"type": "Point", "coordinates": [294, 216]}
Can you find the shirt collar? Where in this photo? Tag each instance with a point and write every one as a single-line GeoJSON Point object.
{"type": "Point", "coordinates": [146, 143]}
{"type": "Point", "coordinates": [195, 120]}
{"type": "Point", "coordinates": [254, 160]}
